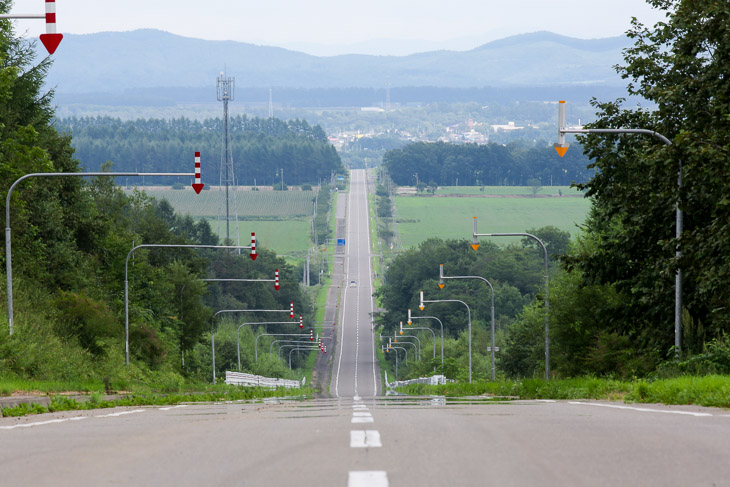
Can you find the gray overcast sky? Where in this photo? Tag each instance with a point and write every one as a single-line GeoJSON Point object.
{"type": "Point", "coordinates": [344, 24]}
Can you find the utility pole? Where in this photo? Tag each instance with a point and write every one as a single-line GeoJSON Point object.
{"type": "Point", "coordinates": [225, 87]}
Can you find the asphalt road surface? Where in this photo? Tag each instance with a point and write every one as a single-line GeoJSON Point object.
{"type": "Point", "coordinates": [356, 369]}
{"type": "Point", "coordinates": [371, 442]}
{"type": "Point", "coordinates": [358, 437]}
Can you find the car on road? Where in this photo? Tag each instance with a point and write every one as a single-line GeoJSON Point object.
{"type": "Point", "coordinates": [353, 284]}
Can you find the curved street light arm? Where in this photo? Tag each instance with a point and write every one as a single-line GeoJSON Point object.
{"type": "Point", "coordinates": [126, 280]}
{"type": "Point", "coordinates": [442, 331]}
{"type": "Point", "coordinates": [432, 333]}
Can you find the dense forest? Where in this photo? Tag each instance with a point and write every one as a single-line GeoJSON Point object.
{"type": "Point", "coordinates": [71, 238]}
{"type": "Point", "coordinates": [261, 147]}
{"type": "Point", "coordinates": [443, 164]}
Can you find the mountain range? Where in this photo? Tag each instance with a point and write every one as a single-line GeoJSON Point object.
{"type": "Point", "coordinates": [119, 62]}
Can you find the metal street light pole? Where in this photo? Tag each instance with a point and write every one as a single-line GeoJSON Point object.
{"type": "Point", "coordinates": [491, 289]}
{"type": "Point", "coordinates": [468, 311]}
{"type": "Point", "coordinates": [126, 279]}
{"type": "Point", "coordinates": [475, 246]}
{"type": "Point", "coordinates": [237, 334]}
{"type": "Point", "coordinates": [561, 147]}
{"type": "Point", "coordinates": [8, 239]}
{"type": "Point", "coordinates": [289, 343]}
{"type": "Point", "coordinates": [256, 342]}
{"type": "Point", "coordinates": [432, 333]}
{"type": "Point", "coordinates": [418, 349]}
{"type": "Point", "coordinates": [300, 348]}
{"type": "Point", "coordinates": [432, 318]}
{"type": "Point", "coordinates": [396, 358]}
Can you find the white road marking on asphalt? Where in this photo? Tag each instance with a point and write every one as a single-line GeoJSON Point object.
{"type": "Point", "coordinates": [374, 478]}
{"type": "Point", "coordinates": [113, 415]}
{"type": "Point", "coordinates": [365, 439]}
{"type": "Point", "coordinates": [360, 407]}
{"type": "Point", "coordinates": [41, 423]}
{"type": "Point", "coordinates": [362, 417]}
{"type": "Point", "coordinates": [545, 400]}
{"type": "Point", "coordinates": [174, 407]}
{"type": "Point", "coordinates": [646, 410]}
{"type": "Point", "coordinates": [370, 277]}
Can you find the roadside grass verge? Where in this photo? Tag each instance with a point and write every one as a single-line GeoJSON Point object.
{"type": "Point", "coordinates": [96, 401]}
{"type": "Point", "coordinates": [709, 391]}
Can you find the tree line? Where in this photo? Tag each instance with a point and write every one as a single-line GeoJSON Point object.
{"type": "Point", "coordinates": [447, 164]}
{"type": "Point", "coordinates": [261, 148]}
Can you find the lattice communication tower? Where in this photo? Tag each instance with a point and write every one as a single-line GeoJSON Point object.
{"type": "Point", "coordinates": [227, 189]}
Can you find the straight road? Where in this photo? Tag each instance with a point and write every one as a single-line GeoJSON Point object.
{"type": "Point", "coordinates": [359, 438]}
{"type": "Point", "coordinates": [355, 371]}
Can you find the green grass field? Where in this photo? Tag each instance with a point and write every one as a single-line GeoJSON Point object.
{"type": "Point", "coordinates": [251, 204]}
{"type": "Point", "coordinates": [422, 217]}
{"type": "Point", "coordinates": [285, 237]}
{"type": "Point", "coordinates": [280, 219]}
{"type": "Point", "coordinates": [508, 190]}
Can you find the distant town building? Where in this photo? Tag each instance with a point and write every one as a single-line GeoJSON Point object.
{"type": "Point", "coordinates": [509, 126]}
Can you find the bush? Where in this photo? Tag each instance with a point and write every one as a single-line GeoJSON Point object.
{"type": "Point", "coordinates": [85, 319]}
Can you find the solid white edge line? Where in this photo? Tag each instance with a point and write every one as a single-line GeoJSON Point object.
{"type": "Point", "coordinates": [373, 478]}
{"type": "Point", "coordinates": [643, 410]}
{"type": "Point", "coordinates": [122, 413]}
{"type": "Point", "coordinates": [370, 276]}
{"type": "Point", "coordinates": [41, 423]}
{"type": "Point", "coordinates": [345, 263]}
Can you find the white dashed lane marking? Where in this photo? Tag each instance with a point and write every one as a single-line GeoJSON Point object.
{"type": "Point", "coordinates": [375, 478]}
{"type": "Point", "coordinates": [365, 439]}
{"type": "Point", "coordinates": [362, 417]}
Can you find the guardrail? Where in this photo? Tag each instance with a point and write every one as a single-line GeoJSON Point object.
{"type": "Point", "coordinates": [434, 380]}
{"type": "Point", "coordinates": [241, 379]}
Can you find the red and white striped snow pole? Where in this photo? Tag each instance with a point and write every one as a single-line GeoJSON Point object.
{"type": "Point", "coordinates": [325, 349]}
{"type": "Point", "coordinates": [311, 335]}
{"type": "Point", "coordinates": [291, 310]}
{"type": "Point", "coordinates": [51, 39]}
{"type": "Point", "coordinates": [197, 185]}
{"type": "Point", "coordinates": [253, 246]}
{"type": "Point", "coordinates": [276, 280]}
{"type": "Point", "coordinates": [301, 322]}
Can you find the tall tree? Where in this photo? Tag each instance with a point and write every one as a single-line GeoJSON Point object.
{"type": "Point", "coordinates": [681, 66]}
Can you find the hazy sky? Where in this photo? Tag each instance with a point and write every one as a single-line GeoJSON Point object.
{"type": "Point", "coordinates": [343, 23]}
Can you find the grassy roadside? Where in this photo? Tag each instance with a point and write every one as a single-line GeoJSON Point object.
{"type": "Point", "coordinates": [709, 391]}
{"type": "Point", "coordinates": [208, 393]}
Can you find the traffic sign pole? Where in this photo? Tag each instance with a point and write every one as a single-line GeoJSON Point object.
{"type": "Point", "coordinates": [50, 39]}
{"type": "Point", "coordinates": [197, 185]}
